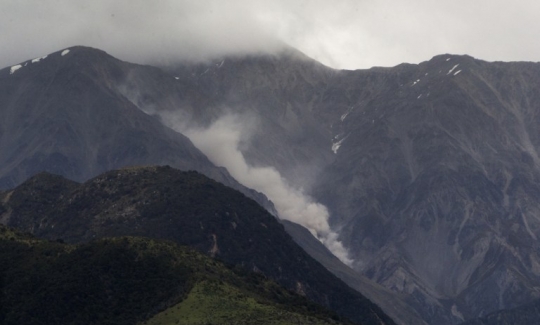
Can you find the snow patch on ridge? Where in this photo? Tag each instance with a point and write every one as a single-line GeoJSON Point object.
{"type": "Point", "coordinates": [453, 68]}
{"type": "Point", "coordinates": [14, 68]}
{"type": "Point", "coordinates": [36, 60]}
{"type": "Point", "coordinates": [344, 116]}
{"type": "Point", "coordinates": [337, 145]}
{"type": "Point", "coordinates": [64, 52]}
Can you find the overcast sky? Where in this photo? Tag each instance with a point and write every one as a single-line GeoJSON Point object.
{"type": "Point", "coordinates": [350, 34]}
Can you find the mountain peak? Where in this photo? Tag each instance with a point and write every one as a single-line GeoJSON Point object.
{"type": "Point", "coordinates": [79, 54]}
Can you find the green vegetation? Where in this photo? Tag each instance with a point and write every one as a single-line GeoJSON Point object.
{"type": "Point", "coordinates": [131, 280]}
{"type": "Point", "coordinates": [212, 302]}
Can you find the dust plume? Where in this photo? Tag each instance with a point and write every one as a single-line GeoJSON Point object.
{"type": "Point", "coordinates": [221, 143]}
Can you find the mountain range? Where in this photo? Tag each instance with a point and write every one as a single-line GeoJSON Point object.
{"type": "Point", "coordinates": [423, 177]}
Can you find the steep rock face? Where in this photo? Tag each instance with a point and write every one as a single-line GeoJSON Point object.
{"type": "Point", "coordinates": [188, 208]}
{"type": "Point", "coordinates": [522, 315]}
{"type": "Point", "coordinates": [437, 182]}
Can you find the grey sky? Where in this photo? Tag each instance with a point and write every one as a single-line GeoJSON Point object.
{"type": "Point", "coordinates": [342, 34]}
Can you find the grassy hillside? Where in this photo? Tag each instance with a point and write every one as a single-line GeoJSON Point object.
{"type": "Point", "coordinates": [216, 302]}
{"type": "Point", "coordinates": [131, 280]}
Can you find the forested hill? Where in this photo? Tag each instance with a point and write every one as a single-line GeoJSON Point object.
{"type": "Point", "coordinates": [131, 280]}
{"type": "Point", "coordinates": [185, 207]}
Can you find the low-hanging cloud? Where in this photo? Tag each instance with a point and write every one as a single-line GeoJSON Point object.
{"type": "Point", "coordinates": [221, 141]}
{"type": "Point", "coordinates": [344, 34]}
{"type": "Point", "coordinates": [140, 31]}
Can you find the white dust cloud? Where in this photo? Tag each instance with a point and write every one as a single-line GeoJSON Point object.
{"type": "Point", "coordinates": [221, 142]}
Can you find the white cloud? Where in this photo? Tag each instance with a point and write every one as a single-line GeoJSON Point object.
{"type": "Point", "coordinates": [342, 34]}
{"type": "Point", "coordinates": [134, 30]}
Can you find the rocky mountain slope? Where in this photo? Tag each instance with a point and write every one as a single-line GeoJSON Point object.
{"type": "Point", "coordinates": [394, 305]}
{"type": "Point", "coordinates": [429, 171]}
{"type": "Point", "coordinates": [185, 207]}
{"type": "Point", "coordinates": [522, 315]}
{"type": "Point", "coordinates": [441, 202]}
{"type": "Point", "coordinates": [131, 280]}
